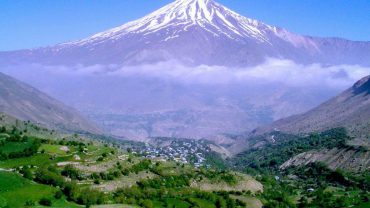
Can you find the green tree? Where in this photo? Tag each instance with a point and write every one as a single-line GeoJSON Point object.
{"type": "Point", "coordinates": [45, 202]}
{"type": "Point", "coordinates": [147, 204]}
{"type": "Point", "coordinates": [220, 203]}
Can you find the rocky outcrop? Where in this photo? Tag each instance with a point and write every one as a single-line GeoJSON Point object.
{"type": "Point", "coordinates": [351, 159]}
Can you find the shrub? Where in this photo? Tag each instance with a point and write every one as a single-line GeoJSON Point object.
{"type": "Point", "coordinates": [90, 197]}
{"type": "Point", "coordinates": [45, 202]}
{"type": "Point", "coordinates": [71, 172]}
{"type": "Point", "coordinates": [26, 172]}
{"type": "Point", "coordinates": [29, 203]}
{"type": "Point", "coordinates": [58, 194]}
{"type": "Point", "coordinates": [45, 176]}
{"type": "Point", "coordinates": [96, 181]}
{"type": "Point", "coordinates": [147, 204]}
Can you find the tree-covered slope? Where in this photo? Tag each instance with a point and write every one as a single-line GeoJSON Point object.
{"type": "Point", "coordinates": [74, 171]}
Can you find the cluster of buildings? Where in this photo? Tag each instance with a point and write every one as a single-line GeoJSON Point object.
{"type": "Point", "coordinates": [182, 151]}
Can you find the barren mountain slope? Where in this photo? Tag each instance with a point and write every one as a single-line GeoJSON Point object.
{"type": "Point", "coordinates": [27, 103]}
{"type": "Point", "coordinates": [350, 109]}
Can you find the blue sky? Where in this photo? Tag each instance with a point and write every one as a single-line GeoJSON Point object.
{"type": "Point", "coordinates": [35, 23]}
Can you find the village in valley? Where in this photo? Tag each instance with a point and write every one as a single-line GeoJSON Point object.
{"type": "Point", "coordinates": [181, 151]}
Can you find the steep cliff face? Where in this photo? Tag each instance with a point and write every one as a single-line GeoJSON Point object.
{"type": "Point", "coordinates": [353, 159]}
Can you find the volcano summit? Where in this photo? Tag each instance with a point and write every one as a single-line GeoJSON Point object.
{"type": "Point", "coordinates": [193, 68]}
{"type": "Point", "coordinates": [195, 32]}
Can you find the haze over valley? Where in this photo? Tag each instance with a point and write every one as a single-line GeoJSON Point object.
{"type": "Point", "coordinates": [146, 79]}
{"type": "Point", "coordinates": [191, 105]}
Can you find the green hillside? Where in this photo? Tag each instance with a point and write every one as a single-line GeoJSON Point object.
{"type": "Point", "coordinates": [82, 172]}
{"type": "Point", "coordinates": [43, 168]}
{"type": "Point", "coordinates": [308, 184]}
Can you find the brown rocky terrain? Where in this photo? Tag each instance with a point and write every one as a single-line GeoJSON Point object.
{"type": "Point", "coordinates": [353, 159]}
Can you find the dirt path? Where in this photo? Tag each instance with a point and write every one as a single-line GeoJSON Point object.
{"type": "Point", "coordinates": [6, 170]}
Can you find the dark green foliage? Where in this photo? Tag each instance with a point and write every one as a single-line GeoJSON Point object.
{"type": "Point", "coordinates": [314, 185]}
{"type": "Point", "coordinates": [73, 143]}
{"type": "Point", "coordinates": [26, 172]}
{"type": "Point", "coordinates": [108, 176]}
{"type": "Point", "coordinates": [144, 165]}
{"type": "Point", "coordinates": [30, 145]}
{"type": "Point", "coordinates": [71, 172]}
{"type": "Point", "coordinates": [168, 187]}
{"type": "Point", "coordinates": [45, 176]}
{"type": "Point", "coordinates": [45, 202]}
{"type": "Point", "coordinates": [166, 182]}
{"type": "Point", "coordinates": [172, 188]}
{"type": "Point", "coordinates": [90, 197]}
{"type": "Point", "coordinates": [82, 195]}
{"type": "Point", "coordinates": [215, 160]}
{"type": "Point", "coordinates": [318, 178]}
{"type": "Point", "coordinates": [141, 166]}
{"type": "Point", "coordinates": [145, 196]}
{"type": "Point", "coordinates": [326, 199]}
{"type": "Point", "coordinates": [96, 181]}
{"type": "Point", "coordinates": [58, 194]}
{"type": "Point", "coordinates": [71, 191]}
{"type": "Point", "coordinates": [276, 194]}
{"type": "Point", "coordinates": [147, 204]}
{"type": "Point", "coordinates": [271, 156]}
{"type": "Point", "coordinates": [318, 175]}
{"type": "Point", "coordinates": [220, 203]}
{"type": "Point", "coordinates": [219, 176]}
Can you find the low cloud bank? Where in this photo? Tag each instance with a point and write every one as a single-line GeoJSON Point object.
{"type": "Point", "coordinates": [273, 70]}
{"type": "Point", "coordinates": [274, 89]}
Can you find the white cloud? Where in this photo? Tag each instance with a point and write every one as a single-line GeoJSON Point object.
{"type": "Point", "coordinates": [273, 70]}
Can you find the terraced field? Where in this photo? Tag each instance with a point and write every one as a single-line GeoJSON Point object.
{"type": "Point", "coordinates": [78, 172]}
{"type": "Point", "coordinates": [14, 147]}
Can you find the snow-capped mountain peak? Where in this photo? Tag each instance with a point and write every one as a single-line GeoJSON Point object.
{"type": "Point", "coordinates": [198, 32]}
{"type": "Point", "coordinates": [190, 9]}
{"type": "Point", "coordinates": [185, 39]}
{"type": "Point", "coordinates": [180, 15]}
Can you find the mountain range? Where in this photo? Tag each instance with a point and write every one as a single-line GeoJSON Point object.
{"type": "Point", "coordinates": [193, 68]}
{"type": "Point", "coordinates": [24, 102]}
{"type": "Point", "coordinates": [350, 109]}
{"type": "Point", "coordinates": [195, 32]}
{"type": "Point", "coordinates": [211, 95]}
